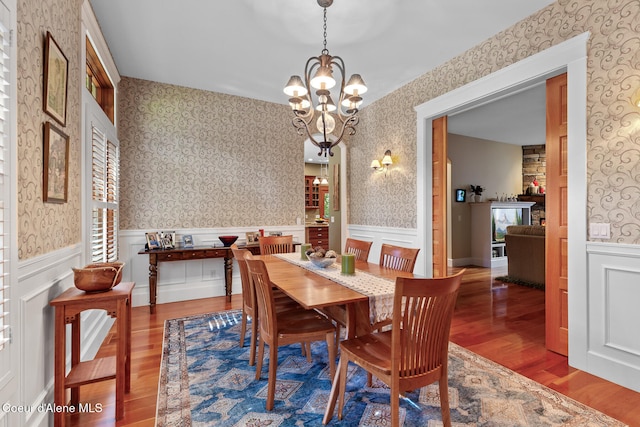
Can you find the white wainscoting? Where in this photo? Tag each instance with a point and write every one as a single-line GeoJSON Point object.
{"type": "Point", "coordinates": [406, 237]}
{"type": "Point", "coordinates": [613, 295]}
{"type": "Point", "coordinates": [39, 281]}
{"type": "Point", "coordinates": [186, 280]}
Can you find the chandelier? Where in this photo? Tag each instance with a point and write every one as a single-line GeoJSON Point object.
{"type": "Point", "coordinates": [312, 98]}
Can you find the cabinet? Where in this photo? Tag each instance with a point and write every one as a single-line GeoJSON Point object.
{"type": "Point", "coordinates": [311, 193]}
{"type": "Point", "coordinates": [489, 221]}
{"type": "Point", "coordinates": [318, 236]}
{"type": "Point", "coordinates": [69, 307]}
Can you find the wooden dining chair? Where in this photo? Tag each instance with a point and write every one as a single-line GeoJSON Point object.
{"type": "Point", "coordinates": [282, 328]}
{"type": "Point", "coordinates": [398, 258]}
{"type": "Point", "coordinates": [359, 248]}
{"type": "Point", "coordinates": [414, 353]}
{"type": "Point", "coordinates": [275, 244]}
{"type": "Point", "coordinates": [249, 307]}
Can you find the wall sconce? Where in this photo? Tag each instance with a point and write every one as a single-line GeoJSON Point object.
{"type": "Point", "coordinates": [383, 166]}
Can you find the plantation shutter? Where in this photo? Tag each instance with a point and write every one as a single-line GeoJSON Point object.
{"type": "Point", "coordinates": [105, 172]}
{"type": "Point", "coordinates": [4, 191]}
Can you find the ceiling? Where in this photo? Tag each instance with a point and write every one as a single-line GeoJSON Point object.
{"type": "Point", "coordinates": [250, 48]}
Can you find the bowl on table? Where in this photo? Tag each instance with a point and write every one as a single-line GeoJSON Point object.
{"type": "Point", "coordinates": [228, 240]}
{"type": "Point", "coordinates": [321, 262]}
{"type": "Point", "coordinates": [98, 277]}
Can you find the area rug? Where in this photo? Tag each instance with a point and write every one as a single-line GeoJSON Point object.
{"type": "Point", "coordinates": [205, 380]}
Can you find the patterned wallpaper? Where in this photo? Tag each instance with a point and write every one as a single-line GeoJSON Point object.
{"type": "Point", "coordinates": [613, 134]}
{"type": "Point", "coordinates": [45, 227]}
{"type": "Point", "coordinates": [198, 159]}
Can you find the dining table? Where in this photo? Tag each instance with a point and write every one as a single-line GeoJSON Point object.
{"type": "Point", "coordinates": [356, 300]}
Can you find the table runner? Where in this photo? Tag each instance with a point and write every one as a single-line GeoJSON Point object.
{"type": "Point", "coordinates": [379, 290]}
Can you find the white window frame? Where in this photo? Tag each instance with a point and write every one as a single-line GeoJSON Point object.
{"type": "Point", "coordinates": [8, 192]}
{"type": "Point", "coordinates": [94, 116]}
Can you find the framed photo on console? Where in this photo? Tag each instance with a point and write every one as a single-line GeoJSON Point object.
{"type": "Point", "coordinates": [187, 241]}
{"type": "Point", "coordinates": [252, 237]}
{"type": "Point", "coordinates": [168, 239]}
{"type": "Point", "coordinates": [153, 242]}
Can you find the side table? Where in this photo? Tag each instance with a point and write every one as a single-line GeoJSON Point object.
{"type": "Point", "coordinates": [68, 306]}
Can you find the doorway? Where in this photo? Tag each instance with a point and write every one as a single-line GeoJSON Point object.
{"type": "Point", "coordinates": [331, 197]}
{"type": "Point", "coordinates": [568, 56]}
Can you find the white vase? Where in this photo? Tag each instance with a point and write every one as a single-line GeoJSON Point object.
{"type": "Point", "coordinates": [478, 198]}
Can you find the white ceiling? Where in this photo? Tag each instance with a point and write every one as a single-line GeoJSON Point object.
{"type": "Point", "coordinates": [250, 48]}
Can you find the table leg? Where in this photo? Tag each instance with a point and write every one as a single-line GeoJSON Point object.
{"type": "Point", "coordinates": [75, 356]}
{"type": "Point", "coordinates": [153, 282]}
{"type": "Point", "coordinates": [60, 368]}
{"type": "Point", "coordinates": [127, 366]}
{"type": "Point", "coordinates": [228, 274]}
{"type": "Point", "coordinates": [358, 324]}
{"type": "Point", "coordinates": [121, 320]}
{"type": "Point", "coordinates": [333, 395]}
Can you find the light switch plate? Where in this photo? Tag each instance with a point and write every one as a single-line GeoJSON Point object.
{"type": "Point", "coordinates": [600, 230]}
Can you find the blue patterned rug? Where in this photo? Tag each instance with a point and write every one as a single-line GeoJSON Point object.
{"type": "Point", "coordinates": [205, 380]}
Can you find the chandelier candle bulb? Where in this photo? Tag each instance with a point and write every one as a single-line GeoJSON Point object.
{"type": "Point", "coordinates": [348, 263]}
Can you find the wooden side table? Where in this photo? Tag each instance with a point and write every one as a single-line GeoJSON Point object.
{"type": "Point", "coordinates": [68, 306]}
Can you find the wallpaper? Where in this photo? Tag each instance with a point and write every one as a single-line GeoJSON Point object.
{"type": "Point", "coordinates": [197, 159]}
{"type": "Point", "coordinates": [45, 227]}
{"type": "Point", "coordinates": [613, 133]}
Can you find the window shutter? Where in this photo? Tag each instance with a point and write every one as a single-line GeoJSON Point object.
{"type": "Point", "coordinates": [105, 174]}
{"type": "Point", "coordinates": [4, 194]}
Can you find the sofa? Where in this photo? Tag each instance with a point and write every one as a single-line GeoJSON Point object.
{"type": "Point", "coordinates": [525, 247]}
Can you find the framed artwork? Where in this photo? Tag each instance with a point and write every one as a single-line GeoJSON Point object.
{"type": "Point", "coordinates": [187, 241]}
{"type": "Point", "coordinates": [253, 236]}
{"type": "Point", "coordinates": [56, 165]}
{"type": "Point", "coordinates": [501, 218]}
{"type": "Point", "coordinates": [56, 71]}
{"type": "Point", "coordinates": [167, 239]}
{"type": "Point", "coordinates": [461, 195]}
{"type": "Point", "coordinates": [153, 241]}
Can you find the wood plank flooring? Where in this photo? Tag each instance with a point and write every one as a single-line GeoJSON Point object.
{"type": "Point", "coordinates": [501, 323]}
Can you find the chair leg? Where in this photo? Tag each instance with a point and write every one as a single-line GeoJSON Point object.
{"type": "Point", "coordinates": [260, 359]}
{"type": "Point", "coordinates": [273, 367]}
{"type": "Point", "coordinates": [343, 365]}
{"type": "Point", "coordinates": [331, 349]}
{"type": "Point", "coordinates": [254, 342]}
{"type": "Point", "coordinates": [243, 328]}
{"type": "Point", "coordinates": [395, 406]}
{"type": "Point", "coordinates": [444, 399]}
{"type": "Point", "coordinates": [307, 346]}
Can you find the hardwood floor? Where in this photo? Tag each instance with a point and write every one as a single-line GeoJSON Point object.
{"type": "Point", "coordinates": [501, 323]}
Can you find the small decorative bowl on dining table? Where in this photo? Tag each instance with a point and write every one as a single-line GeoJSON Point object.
{"type": "Point", "coordinates": [320, 261]}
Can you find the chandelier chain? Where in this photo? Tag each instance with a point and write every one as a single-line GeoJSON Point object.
{"type": "Point", "coordinates": [324, 27]}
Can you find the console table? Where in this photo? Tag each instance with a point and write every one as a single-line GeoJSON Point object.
{"type": "Point", "coordinates": [68, 308]}
{"type": "Point", "coordinates": [185, 254]}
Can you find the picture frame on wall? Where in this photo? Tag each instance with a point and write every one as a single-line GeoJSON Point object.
{"type": "Point", "coordinates": [55, 174]}
{"type": "Point", "coordinates": [56, 72]}
{"type": "Point", "coordinates": [461, 195]}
